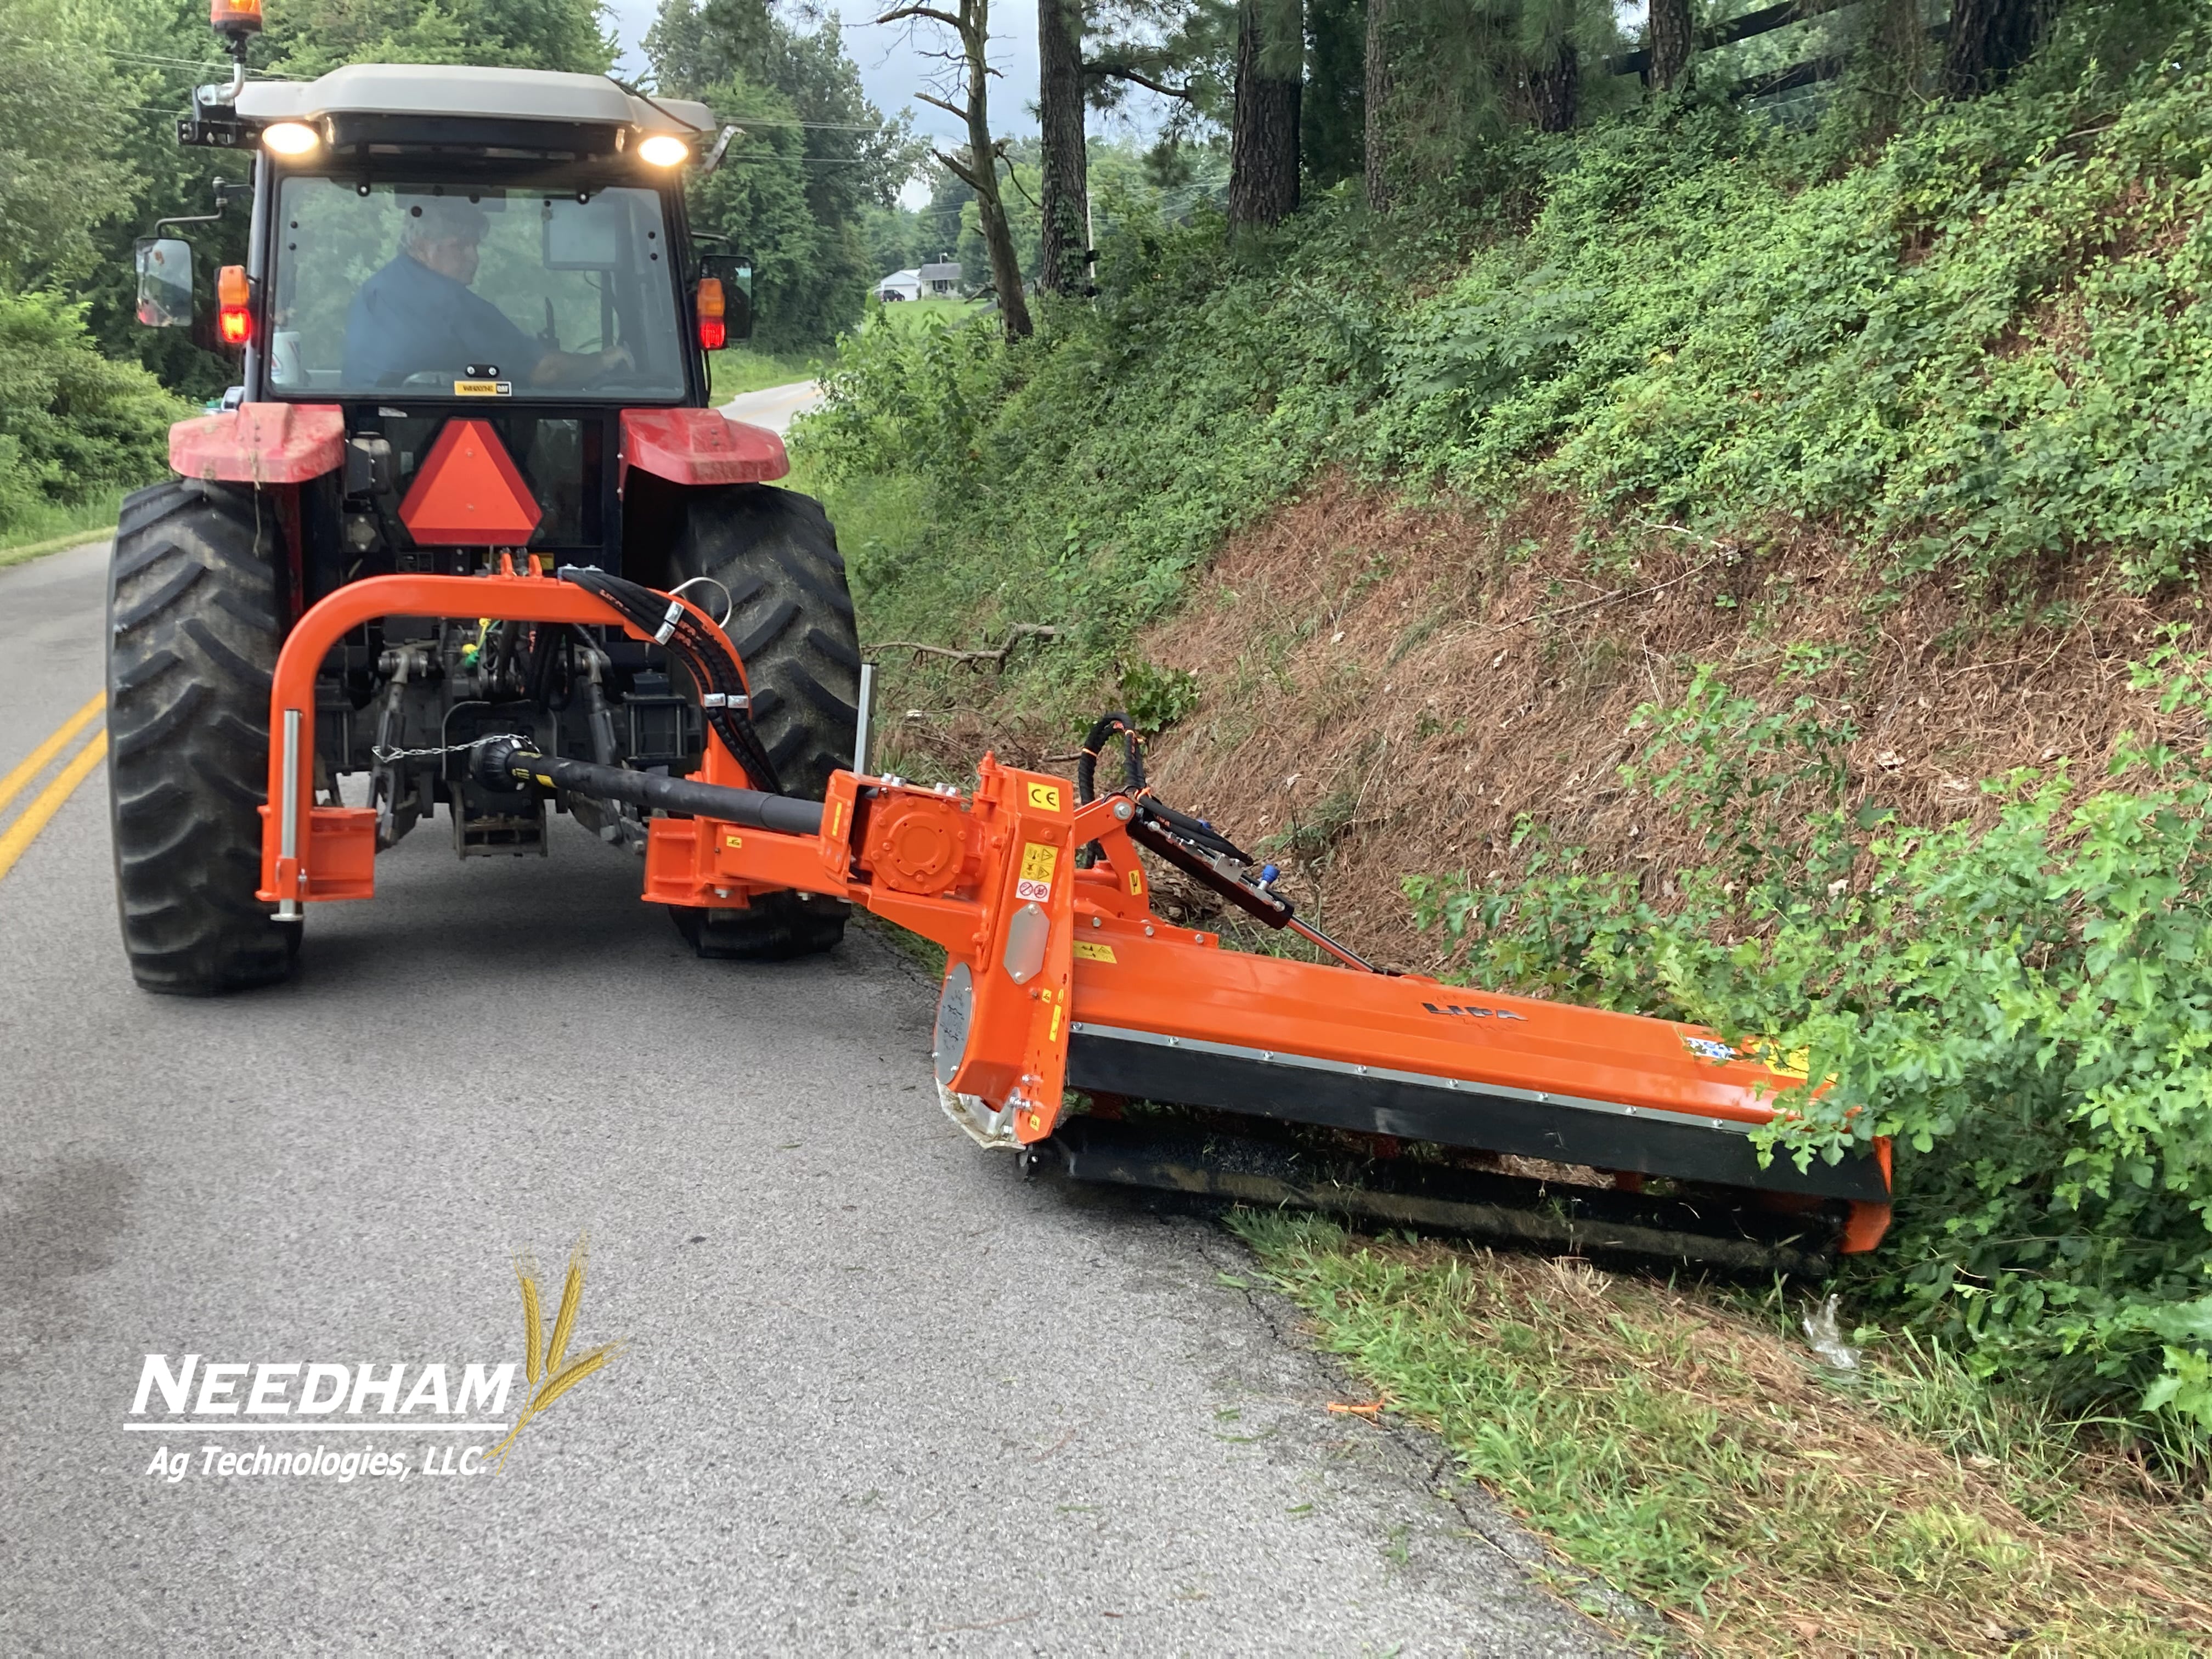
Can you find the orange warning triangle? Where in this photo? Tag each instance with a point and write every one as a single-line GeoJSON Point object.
{"type": "Point", "coordinates": [467, 493]}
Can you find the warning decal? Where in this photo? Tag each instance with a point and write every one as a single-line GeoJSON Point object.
{"type": "Point", "coordinates": [1090, 952]}
{"type": "Point", "coordinates": [1039, 860]}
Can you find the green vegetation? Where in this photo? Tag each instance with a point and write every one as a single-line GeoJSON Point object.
{"type": "Point", "coordinates": [915, 316]}
{"type": "Point", "coordinates": [74, 425]}
{"type": "Point", "coordinates": [2024, 1006]}
{"type": "Point", "coordinates": [740, 369]}
{"type": "Point", "coordinates": [1980, 346]}
{"type": "Point", "coordinates": [1971, 349]}
{"type": "Point", "coordinates": [56, 528]}
{"type": "Point", "coordinates": [812, 160]}
{"type": "Point", "coordinates": [1698, 1459]}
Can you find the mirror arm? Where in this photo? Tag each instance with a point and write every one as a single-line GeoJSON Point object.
{"type": "Point", "coordinates": [226, 192]}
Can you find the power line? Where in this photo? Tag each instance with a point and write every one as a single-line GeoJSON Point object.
{"type": "Point", "coordinates": [190, 63]}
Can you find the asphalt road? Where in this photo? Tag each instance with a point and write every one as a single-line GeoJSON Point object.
{"type": "Point", "coordinates": [878, 1392]}
{"type": "Point", "coordinates": [776, 407]}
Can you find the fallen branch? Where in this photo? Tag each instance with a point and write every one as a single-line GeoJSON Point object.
{"type": "Point", "coordinates": [996, 656]}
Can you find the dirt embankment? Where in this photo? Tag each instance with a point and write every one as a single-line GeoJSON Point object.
{"type": "Point", "coordinates": [1385, 687]}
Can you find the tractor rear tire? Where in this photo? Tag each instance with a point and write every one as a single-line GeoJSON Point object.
{"type": "Point", "coordinates": [192, 634]}
{"type": "Point", "coordinates": [790, 619]}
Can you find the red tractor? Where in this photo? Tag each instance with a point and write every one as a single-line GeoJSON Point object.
{"type": "Point", "coordinates": [473, 329]}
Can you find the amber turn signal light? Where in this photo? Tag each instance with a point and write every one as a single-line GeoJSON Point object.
{"type": "Point", "coordinates": [710, 308]}
{"type": "Point", "coordinates": [233, 317]}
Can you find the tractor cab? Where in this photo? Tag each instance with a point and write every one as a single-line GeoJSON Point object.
{"type": "Point", "coordinates": [431, 243]}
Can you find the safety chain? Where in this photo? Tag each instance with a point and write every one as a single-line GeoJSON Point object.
{"type": "Point", "coordinates": [384, 757]}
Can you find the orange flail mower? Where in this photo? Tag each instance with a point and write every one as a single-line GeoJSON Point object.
{"type": "Point", "coordinates": [1070, 1008]}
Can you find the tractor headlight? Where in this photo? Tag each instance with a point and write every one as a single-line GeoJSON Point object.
{"type": "Point", "coordinates": [291, 138]}
{"type": "Point", "coordinates": [664, 149]}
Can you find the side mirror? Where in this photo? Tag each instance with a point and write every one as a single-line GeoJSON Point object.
{"type": "Point", "coordinates": [735, 273]}
{"type": "Point", "coordinates": [165, 280]}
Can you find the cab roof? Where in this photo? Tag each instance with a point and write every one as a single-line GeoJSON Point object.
{"type": "Point", "coordinates": [458, 90]}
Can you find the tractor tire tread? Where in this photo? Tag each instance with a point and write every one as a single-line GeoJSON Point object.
{"type": "Point", "coordinates": [193, 600]}
{"type": "Point", "coordinates": [791, 620]}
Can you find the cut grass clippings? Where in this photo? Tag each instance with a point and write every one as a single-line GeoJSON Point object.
{"type": "Point", "coordinates": [1695, 1459]}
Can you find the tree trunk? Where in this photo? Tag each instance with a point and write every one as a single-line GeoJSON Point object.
{"type": "Point", "coordinates": [983, 158]}
{"type": "Point", "coordinates": [1263, 149]}
{"type": "Point", "coordinates": [1555, 91]}
{"type": "Point", "coordinates": [1060, 120]}
{"type": "Point", "coordinates": [1669, 42]}
{"type": "Point", "coordinates": [1988, 40]}
{"type": "Point", "coordinates": [1376, 136]}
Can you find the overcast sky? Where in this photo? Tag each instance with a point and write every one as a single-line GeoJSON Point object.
{"type": "Point", "coordinates": [893, 70]}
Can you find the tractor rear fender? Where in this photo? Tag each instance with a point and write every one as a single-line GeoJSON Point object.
{"type": "Point", "coordinates": [700, 447]}
{"type": "Point", "coordinates": [260, 444]}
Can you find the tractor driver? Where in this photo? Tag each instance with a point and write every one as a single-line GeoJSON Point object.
{"type": "Point", "coordinates": [418, 315]}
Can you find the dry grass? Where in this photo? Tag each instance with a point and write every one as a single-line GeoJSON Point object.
{"type": "Point", "coordinates": [1385, 688]}
{"type": "Point", "coordinates": [1697, 1457]}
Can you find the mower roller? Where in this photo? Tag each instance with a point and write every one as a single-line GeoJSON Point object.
{"type": "Point", "coordinates": [1071, 1010]}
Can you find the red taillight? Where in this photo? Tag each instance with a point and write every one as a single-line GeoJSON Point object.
{"type": "Point", "coordinates": [233, 317]}
{"type": "Point", "coordinates": [709, 306]}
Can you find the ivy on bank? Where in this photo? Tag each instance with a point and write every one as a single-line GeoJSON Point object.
{"type": "Point", "coordinates": [2026, 1007]}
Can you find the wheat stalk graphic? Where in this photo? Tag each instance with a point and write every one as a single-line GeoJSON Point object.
{"type": "Point", "coordinates": [549, 1379]}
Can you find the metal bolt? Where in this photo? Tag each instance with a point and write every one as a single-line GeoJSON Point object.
{"type": "Point", "coordinates": [1123, 811]}
{"type": "Point", "coordinates": [1148, 930]}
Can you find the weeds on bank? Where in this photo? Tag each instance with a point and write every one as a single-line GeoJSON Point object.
{"type": "Point", "coordinates": [1695, 1457]}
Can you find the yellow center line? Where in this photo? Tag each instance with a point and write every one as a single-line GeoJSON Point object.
{"type": "Point", "coordinates": [48, 801]}
{"type": "Point", "coordinates": [36, 761]}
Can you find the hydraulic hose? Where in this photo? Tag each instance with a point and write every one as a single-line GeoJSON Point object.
{"type": "Point", "coordinates": [721, 683]}
{"type": "Point", "coordinates": [505, 764]}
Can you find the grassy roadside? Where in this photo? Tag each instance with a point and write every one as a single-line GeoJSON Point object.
{"type": "Point", "coordinates": [61, 527]}
{"type": "Point", "coordinates": [741, 369]}
{"type": "Point", "coordinates": [912, 315]}
{"type": "Point", "coordinates": [1696, 1458]}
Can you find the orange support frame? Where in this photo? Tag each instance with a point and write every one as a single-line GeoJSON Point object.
{"type": "Point", "coordinates": [327, 853]}
{"type": "Point", "coordinates": [1060, 977]}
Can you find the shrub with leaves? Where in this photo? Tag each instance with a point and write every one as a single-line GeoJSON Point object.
{"type": "Point", "coordinates": [73, 425]}
{"type": "Point", "coordinates": [2026, 1007]}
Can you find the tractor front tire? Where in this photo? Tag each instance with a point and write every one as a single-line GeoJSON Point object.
{"type": "Point", "coordinates": [790, 619]}
{"type": "Point", "coordinates": [192, 635]}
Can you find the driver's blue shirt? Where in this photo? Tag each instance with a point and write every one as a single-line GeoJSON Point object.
{"type": "Point", "coordinates": [409, 319]}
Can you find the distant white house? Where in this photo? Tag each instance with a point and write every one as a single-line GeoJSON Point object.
{"type": "Point", "coordinates": [940, 281]}
{"type": "Point", "coordinates": [900, 285]}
